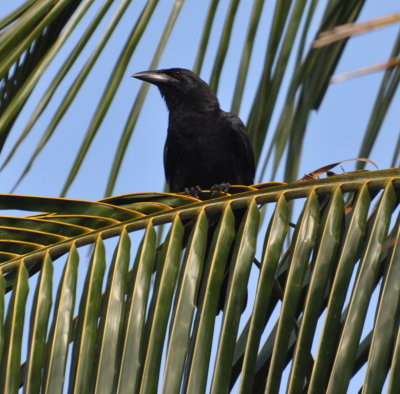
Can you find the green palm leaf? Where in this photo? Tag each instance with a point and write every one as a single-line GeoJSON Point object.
{"type": "Point", "coordinates": [120, 331]}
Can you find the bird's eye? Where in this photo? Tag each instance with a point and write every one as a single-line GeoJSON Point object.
{"type": "Point", "coordinates": [178, 72]}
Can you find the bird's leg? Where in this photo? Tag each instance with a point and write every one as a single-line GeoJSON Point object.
{"type": "Point", "coordinates": [219, 187]}
{"type": "Point", "coordinates": [193, 191]}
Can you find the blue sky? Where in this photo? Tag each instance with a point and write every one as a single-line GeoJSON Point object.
{"type": "Point", "coordinates": [334, 132]}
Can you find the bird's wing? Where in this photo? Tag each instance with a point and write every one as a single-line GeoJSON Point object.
{"type": "Point", "coordinates": [167, 165]}
{"type": "Point", "coordinates": [243, 148]}
{"type": "Point", "coordinates": [174, 171]}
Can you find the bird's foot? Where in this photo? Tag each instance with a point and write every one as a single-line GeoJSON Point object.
{"type": "Point", "coordinates": [193, 191]}
{"type": "Point", "coordinates": [219, 187]}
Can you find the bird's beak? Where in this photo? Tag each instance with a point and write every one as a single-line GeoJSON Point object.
{"type": "Point", "coordinates": [154, 77]}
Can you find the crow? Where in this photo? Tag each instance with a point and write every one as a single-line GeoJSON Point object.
{"type": "Point", "coordinates": [206, 147]}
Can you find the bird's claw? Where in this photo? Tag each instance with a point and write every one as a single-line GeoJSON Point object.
{"type": "Point", "coordinates": [193, 191]}
{"type": "Point", "coordinates": [219, 187]}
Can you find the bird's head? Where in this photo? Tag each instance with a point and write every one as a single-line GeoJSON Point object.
{"type": "Point", "coordinates": [181, 89]}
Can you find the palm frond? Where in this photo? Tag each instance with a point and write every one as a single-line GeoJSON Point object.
{"type": "Point", "coordinates": [120, 331]}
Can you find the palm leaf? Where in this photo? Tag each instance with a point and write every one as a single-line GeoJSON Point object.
{"type": "Point", "coordinates": [120, 331]}
{"type": "Point", "coordinates": [27, 47]}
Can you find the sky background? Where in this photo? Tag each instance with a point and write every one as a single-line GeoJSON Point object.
{"type": "Point", "coordinates": [334, 133]}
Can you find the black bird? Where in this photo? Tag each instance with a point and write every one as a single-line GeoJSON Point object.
{"type": "Point", "coordinates": [206, 148]}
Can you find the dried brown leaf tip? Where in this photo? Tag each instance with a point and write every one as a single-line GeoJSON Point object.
{"type": "Point", "coordinates": [366, 70]}
{"type": "Point", "coordinates": [342, 32]}
{"type": "Point", "coordinates": [326, 169]}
